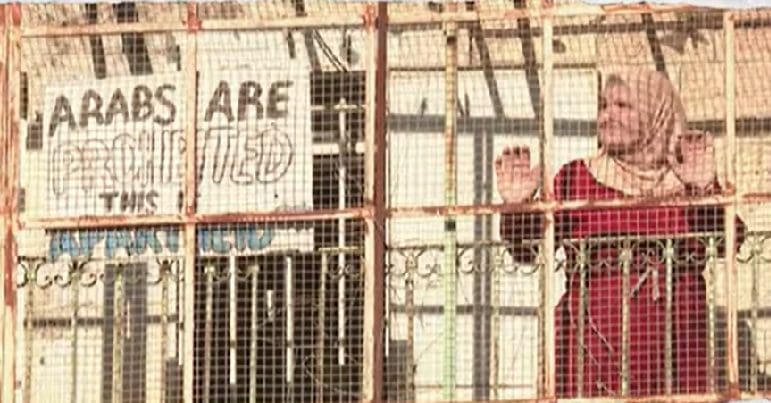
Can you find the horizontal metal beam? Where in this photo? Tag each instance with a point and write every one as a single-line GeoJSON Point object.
{"type": "Point", "coordinates": [112, 28]}
{"type": "Point", "coordinates": [417, 123]}
{"type": "Point", "coordinates": [173, 219]}
{"type": "Point", "coordinates": [393, 212]}
{"type": "Point", "coordinates": [541, 206]}
{"type": "Point", "coordinates": [520, 311]}
{"type": "Point", "coordinates": [352, 19]}
{"type": "Point", "coordinates": [711, 397]}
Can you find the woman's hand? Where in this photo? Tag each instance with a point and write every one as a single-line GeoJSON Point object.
{"type": "Point", "coordinates": [696, 160]}
{"type": "Point", "coordinates": [515, 180]}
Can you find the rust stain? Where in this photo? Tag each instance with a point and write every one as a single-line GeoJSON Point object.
{"type": "Point", "coordinates": [16, 14]}
{"type": "Point", "coordinates": [369, 16]}
{"type": "Point", "coordinates": [193, 22]}
{"type": "Point", "coordinates": [288, 216]}
{"type": "Point", "coordinates": [8, 263]}
{"type": "Point", "coordinates": [92, 221]}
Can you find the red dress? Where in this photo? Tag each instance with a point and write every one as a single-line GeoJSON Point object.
{"type": "Point", "coordinates": [603, 318]}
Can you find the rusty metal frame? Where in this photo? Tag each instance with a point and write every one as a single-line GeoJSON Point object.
{"type": "Point", "coordinates": [730, 266]}
{"type": "Point", "coordinates": [367, 212]}
{"type": "Point", "coordinates": [10, 21]}
{"type": "Point", "coordinates": [547, 359]}
{"type": "Point", "coordinates": [191, 97]}
{"type": "Point", "coordinates": [353, 19]}
{"type": "Point", "coordinates": [376, 21]}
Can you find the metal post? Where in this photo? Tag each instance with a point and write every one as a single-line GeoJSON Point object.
{"type": "Point", "coordinates": [410, 270]}
{"type": "Point", "coordinates": [582, 307]}
{"type": "Point", "coordinates": [495, 323]}
{"type": "Point", "coordinates": [626, 263]}
{"type": "Point", "coordinates": [164, 268]}
{"type": "Point", "coordinates": [191, 97]}
{"type": "Point", "coordinates": [289, 309]}
{"type": "Point", "coordinates": [450, 194]}
{"type": "Point", "coordinates": [253, 272]}
{"type": "Point", "coordinates": [117, 336]}
{"type": "Point", "coordinates": [547, 381]}
{"type": "Point", "coordinates": [188, 320]}
{"type": "Point", "coordinates": [321, 327]}
{"type": "Point", "coordinates": [342, 178]}
{"type": "Point", "coordinates": [10, 18]}
{"type": "Point", "coordinates": [729, 216]}
{"type": "Point", "coordinates": [74, 293]}
{"type": "Point", "coordinates": [755, 278]}
{"type": "Point", "coordinates": [233, 321]}
{"type": "Point", "coordinates": [6, 366]}
{"type": "Point", "coordinates": [669, 255]}
{"type": "Point", "coordinates": [208, 329]}
{"type": "Point", "coordinates": [376, 26]}
{"type": "Point", "coordinates": [28, 333]}
{"type": "Point", "coordinates": [711, 313]}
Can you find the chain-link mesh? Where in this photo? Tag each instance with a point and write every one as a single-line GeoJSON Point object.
{"type": "Point", "coordinates": [575, 202]}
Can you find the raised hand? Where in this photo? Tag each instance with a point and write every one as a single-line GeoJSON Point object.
{"type": "Point", "coordinates": [515, 180]}
{"type": "Point", "coordinates": [696, 159]}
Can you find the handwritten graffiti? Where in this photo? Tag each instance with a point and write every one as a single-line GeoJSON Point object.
{"type": "Point", "coordinates": [221, 239]}
{"type": "Point", "coordinates": [210, 239]}
{"type": "Point", "coordinates": [130, 201]}
{"type": "Point", "coordinates": [245, 158]}
{"type": "Point", "coordinates": [124, 162]}
{"type": "Point", "coordinates": [146, 105]}
{"type": "Point", "coordinates": [134, 242]}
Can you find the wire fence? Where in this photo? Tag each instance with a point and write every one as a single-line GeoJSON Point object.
{"type": "Point", "coordinates": [338, 201]}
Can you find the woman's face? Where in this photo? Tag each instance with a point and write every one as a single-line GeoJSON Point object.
{"type": "Point", "coordinates": [618, 121]}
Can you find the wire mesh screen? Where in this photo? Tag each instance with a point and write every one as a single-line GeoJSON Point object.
{"type": "Point", "coordinates": [281, 120]}
{"type": "Point", "coordinates": [101, 314]}
{"type": "Point", "coordinates": [752, 59]}
{"type": "Point", "coordinates": [104, 131]}
{"type": "Point", "coordinates": [575, 202]}
{"type": "Point", "coordinates": [279, 326]}
{"type": "Point", "coordinates": [274, 308]}
{"type": "Point", "coordinates": [640, 306]}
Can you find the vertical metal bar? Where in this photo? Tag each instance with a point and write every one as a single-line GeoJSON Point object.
{"type": "Point", "coordinates": [9, 121]}
{"type": "Point", "coordinates": [253, 272]}
{"type": "Point", "coordinates": [449, 271]}
{"type": "Point", "coordinates": [342, 178]}
{"type": "Point", "coordinates": [289, 309]}
{"type": "Point", "coordinates": [482, 261]}
{"type": "Point", "coordinates": [626, 260]}
{"type": "Point", "coordinates": [188, 320]}
{"type": "Point", "coordinates": [232, 321]}
{"type": "Point", "coordinates": [74, 296]}
{"type": "Point", "coordinates": [376, 27]}
{"type": "Point", "coordinates": [730, 211]}
{"type": "Point", "coordinates": [547, 337]}
{"type": "Point", "coordinates": [6, 368]}
{"type": "Point", "coordinates": [582, 307]}
{"type": "Point", "coordinates": [270, 306]}
{"type": "Point", "coordinates": [495, 324]}
{"type": "Point", "coordinates": [191, 101]}
{"type": "Point", "coordinates": [754, 278]}
{"type": "Point", "coordinates": [28, 333]}
{"type": "Point", "coordinates": [117, 338]}
{"type": "Point", "coordinates": [411, 267]}
{"type": "Point", "coordinates": [711, 313]}
{"type": "Point", "coordinates": [165, 273]}
{"type": "Point", "coordinates": [321, 330]}
{"type": "Point", "coordinates": [179, 309]}
{"type": "Point", "coordinates": [669, 255]}
{"type": "Point", "coordinates": [208, 328]}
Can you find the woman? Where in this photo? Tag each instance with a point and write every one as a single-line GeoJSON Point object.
{"type": "Point", "coordinates": [645, 151]}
